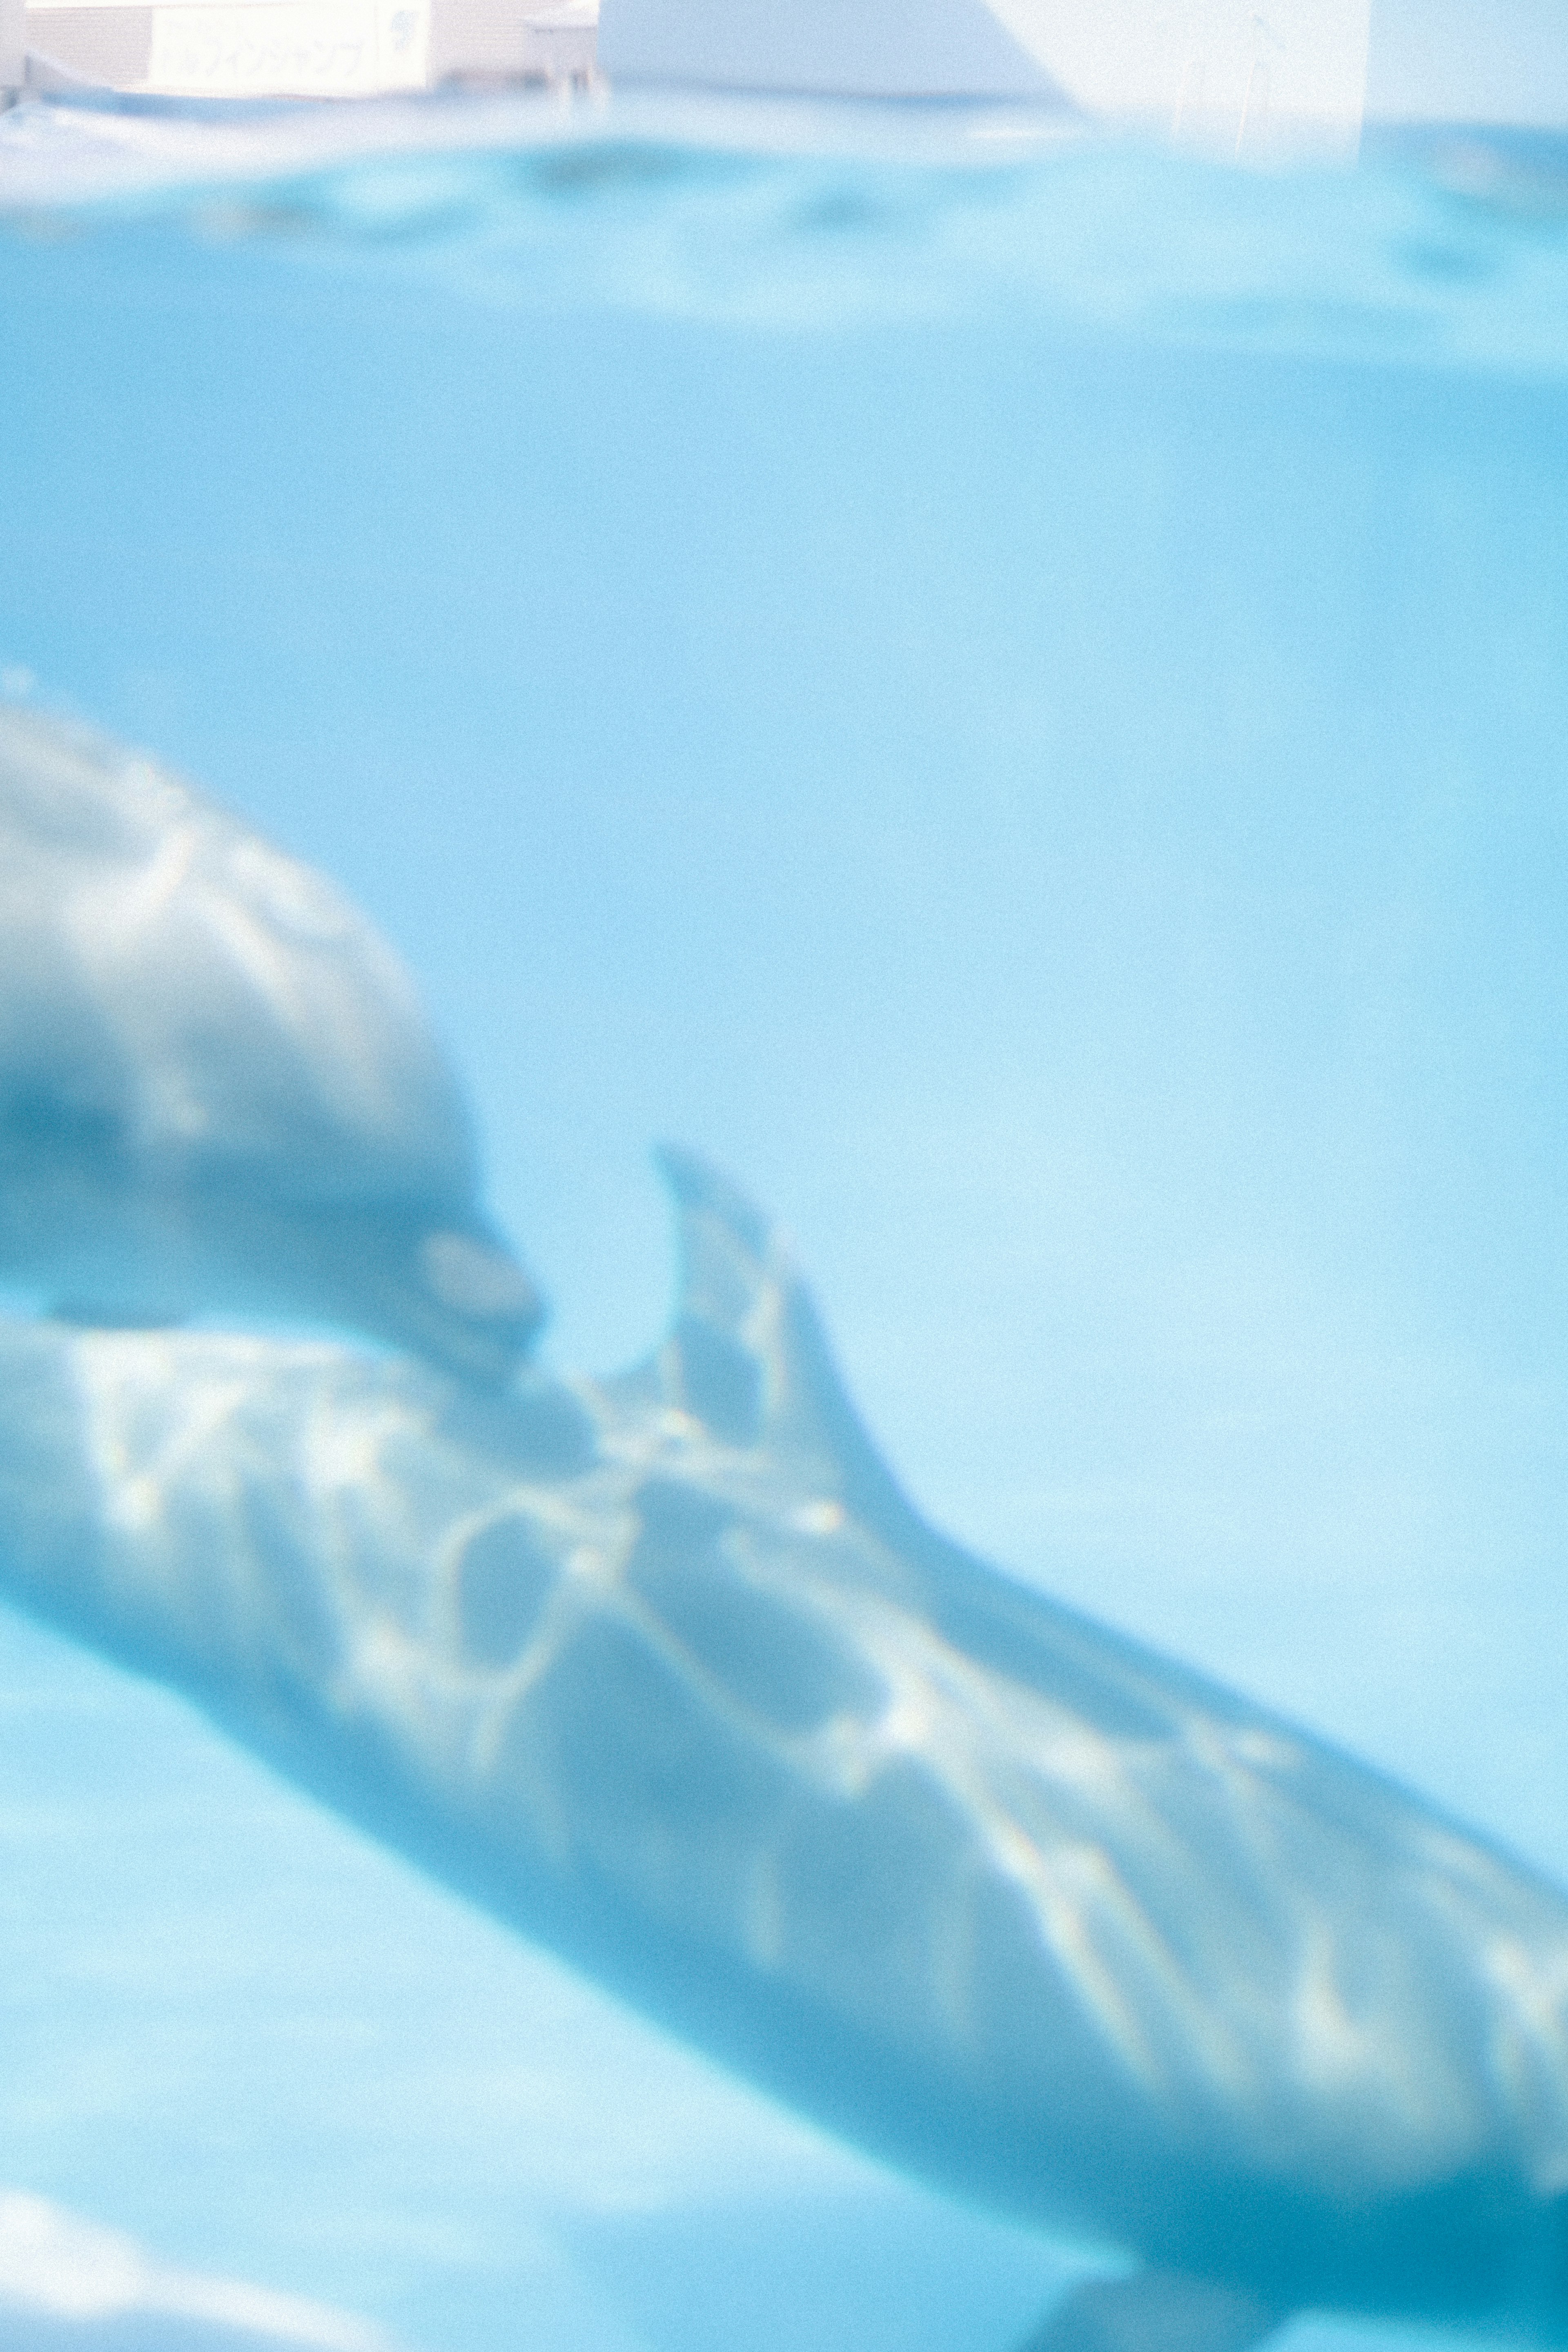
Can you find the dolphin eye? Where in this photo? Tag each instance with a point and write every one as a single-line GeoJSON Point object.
{"type": "Point", "coordinates": [504, 1577]}
{"type": "Point", "coordinates": [471, 1279]}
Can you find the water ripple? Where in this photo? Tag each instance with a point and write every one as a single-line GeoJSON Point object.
{"type": "Point", "coordinates": [1442, 249]}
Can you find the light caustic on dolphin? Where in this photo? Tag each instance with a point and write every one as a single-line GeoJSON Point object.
{"type": "Point", "coordinates": [666, 1671]}
{"type": "Point", "coordinates": [216, 1086]}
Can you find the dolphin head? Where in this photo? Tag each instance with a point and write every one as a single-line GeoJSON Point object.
{"type": "Point", "coordinates": [446, 1288]}
{"type": "Point", "coordinates": [218, 1091]}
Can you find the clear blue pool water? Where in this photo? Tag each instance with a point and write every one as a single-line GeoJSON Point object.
{"type": "Point", "coordinates": [1014, 692]}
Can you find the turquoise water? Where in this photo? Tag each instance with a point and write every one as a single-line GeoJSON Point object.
{"type": "Point", "coordinates": [1010, 690]}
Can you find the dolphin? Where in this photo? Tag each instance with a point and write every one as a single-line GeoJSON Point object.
{"type": "Point", "coordinates": [664, 1671]}
{"type": "Point", "coordinates": [217, 1091]}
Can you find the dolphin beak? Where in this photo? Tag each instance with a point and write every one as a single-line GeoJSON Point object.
{"type": "Point", "coordinates": [451, 1293]}
{"type": "Point", "coordinates": [483, 1309]}
{"type": "Point", "coordinates": [475, 1278]}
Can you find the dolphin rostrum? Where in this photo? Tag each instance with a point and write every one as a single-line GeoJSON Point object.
{"type": "Point", "coordinates": [216, 1086]}
{"type": "Point", "coordinates": [664, 1671]}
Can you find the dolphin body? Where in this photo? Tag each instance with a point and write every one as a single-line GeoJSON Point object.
{"type": "Point", "coordinates": [664, 1671]}
{"type": "Point", "coordinates": [217, 1090]}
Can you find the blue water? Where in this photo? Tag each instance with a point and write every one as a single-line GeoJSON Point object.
{"type": "Point", "coordinates": [1012, 692]}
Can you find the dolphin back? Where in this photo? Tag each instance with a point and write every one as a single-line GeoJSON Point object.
{"type": "Point", "coordinates": [666, 1671]}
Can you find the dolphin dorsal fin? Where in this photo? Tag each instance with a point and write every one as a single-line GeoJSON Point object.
{"type": "Point", "coordinates": [727, 1247]}
{"type": "Point", "coordinates": [746, 1354]}
{"type": "Point", "coordinates": [726, 1360]}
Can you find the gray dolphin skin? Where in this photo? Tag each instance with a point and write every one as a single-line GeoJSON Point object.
{"type": "Point", "coordinates": [217, 1090]}
{"type": "Point", "coordinates": [664, 1671]}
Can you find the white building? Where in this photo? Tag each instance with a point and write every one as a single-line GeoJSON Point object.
{"type": "Point", "coordinates": [1229, 68]}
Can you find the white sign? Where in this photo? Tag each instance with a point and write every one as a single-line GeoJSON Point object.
{"type": "Point", "coordinates": [308, 48]}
